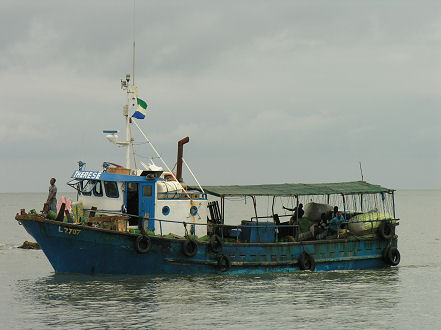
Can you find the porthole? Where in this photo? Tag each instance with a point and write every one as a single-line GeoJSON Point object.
{"type": "Point", "coordinates": [193, 210]}
{"type": "Point", "coordinates": [165, 210]}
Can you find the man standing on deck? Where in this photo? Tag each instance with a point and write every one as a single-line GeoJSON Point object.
{"type": "Point", "coordinates": [298, 213]}
{"type": "Point", "coordinates": [51, 198]}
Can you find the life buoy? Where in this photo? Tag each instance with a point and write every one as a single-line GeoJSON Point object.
{"type": "Point", "coordinates": [143, 244]}
{"type": "Point", "coordinates": [391, 255]}
{"type": "Point", "coordinates": [306, 262]}
{"type": "Point", "coordinates": [190, 247]}
{"type": "Point", "coordinates": [216, 243]}
{"type": "Point", "coordinates": [223, 263]}
{"type": "Point", "coordinates": [386, 230]}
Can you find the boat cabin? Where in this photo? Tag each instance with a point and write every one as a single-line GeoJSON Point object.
{"type": "Point", "coordinates": [148, 195]}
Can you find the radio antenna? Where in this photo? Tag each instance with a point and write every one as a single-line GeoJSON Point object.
{"type": "Point", "coordinates": [133, 62]}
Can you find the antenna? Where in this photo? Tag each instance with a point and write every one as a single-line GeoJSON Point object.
{"type": "Point", "coordinates": [361, 171]}
{"type": "Point", "coordinates": [131, 92]}
{"type": "Point", "coordinates": [133, 63]}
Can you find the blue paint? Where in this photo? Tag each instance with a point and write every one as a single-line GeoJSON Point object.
{"type": "Point", "coordinates": [147, 203]}
{"type": "Point", "coordinates": [104, 176]}
{"type": "Point", "coordinates": [79, 249]}
{"type": "Point", "coordinates": [253, 232]}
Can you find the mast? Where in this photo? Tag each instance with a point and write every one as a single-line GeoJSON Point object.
{"type": "Point", "coordinates": [128, 129]}
{"type": "Point", "coordinates": [125, 85]}
{"type": "Point", "coordinates": [131, 96]}
{"type": "Point", "coordinates": [134, 92]}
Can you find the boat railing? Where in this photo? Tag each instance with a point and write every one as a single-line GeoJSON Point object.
{"type": "Point", "coordinates": [175, 195]}
{"type": "Point", "coordinates": [271, 216]}
{"type": "Point", "coordinates": [231, 228]}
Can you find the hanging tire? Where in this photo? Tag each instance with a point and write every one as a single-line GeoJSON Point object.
{"type": "Point", "coordinates": [386, 230]}
{"type": "Point", "coordinates": [223, 263]}
{"type": "Point", "coordinates": [392, 256]}
{"type": "Point", "coordinates": [306, 262]}
{"type": "Point", "coordinates": [143, 244]}
{"type": "Point", "coordinates": [190, 248]}
{"type": "Point", "coordinates": [216, 243]}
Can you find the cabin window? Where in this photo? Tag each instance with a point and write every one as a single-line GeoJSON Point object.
{"type": "Point", "coordinates": [79, 187]}
{"type": "Point", "coordinates": [147, 191]}
{"type": "Point", "coordinates": [98, 189]}
{"type": "Point", "coordinates": [88, 187]}
{"type": "Point", "coordinates": [111, 189]}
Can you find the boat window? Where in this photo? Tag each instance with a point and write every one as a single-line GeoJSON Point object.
{"type": "Point", "coordinates": [111, 189]}
{"type": "Point", "coordinates": [165, 210]}
{"type": "Point", "coordinates": [79, 187]}
{"type": "Point", "coordinates": [193, 210]}
{"type": "Point", "coordinates": [147, 191]}
{"type": "Point", "coordinates": [98, 190]}
{"type": "Point", "coordinates": [88, 187]}
{"type": "Point", "coordinates": [75, 183]}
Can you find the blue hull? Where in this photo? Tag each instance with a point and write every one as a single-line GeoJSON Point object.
{"type": "Point", "coordinates": [79, 249]}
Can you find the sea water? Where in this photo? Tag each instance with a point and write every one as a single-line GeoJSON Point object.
{"type": "Point", "coordinates": [32, 296]}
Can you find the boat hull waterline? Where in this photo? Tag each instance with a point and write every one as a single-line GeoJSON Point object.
{"type": "Point", "coordinates": [74, 248]}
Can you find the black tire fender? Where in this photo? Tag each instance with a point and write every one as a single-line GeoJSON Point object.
{"type": "Point", "coordinates": [190, 247]}
{"type": "Point", "coordinates": [306, 262]}
{"type": "Point", "coordinates": [386, 230]}
{"type": "Point", "coordinates": [223, 263]}
{"type": "Point", "coordinates": [143, 244]}
{"type": "Point", "coordinates": [216, 244]}
{"type": "Point", "coordinates": [393, 256]}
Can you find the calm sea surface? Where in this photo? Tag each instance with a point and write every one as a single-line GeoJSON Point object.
{"type": "Point", "coordinates": [404, 297]}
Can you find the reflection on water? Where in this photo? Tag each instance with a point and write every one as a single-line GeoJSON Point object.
{"type": "Point", "coordinates": [304, 299]}
{"type": "Point", "coordinates": [406, 297]}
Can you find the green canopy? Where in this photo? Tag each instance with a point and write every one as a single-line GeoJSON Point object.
{"type": "Point", "coordinates": [299, 189]}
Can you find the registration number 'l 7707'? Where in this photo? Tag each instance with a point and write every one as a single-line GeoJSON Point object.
{"type": "Point", "coordinates": [69, 231]}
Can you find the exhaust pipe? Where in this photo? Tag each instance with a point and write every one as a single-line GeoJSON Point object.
{"type": "Point", "coordinates": [179, 161]}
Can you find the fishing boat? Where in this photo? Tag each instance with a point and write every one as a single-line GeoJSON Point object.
{"type": "Point", "coordinates": [144, 219]}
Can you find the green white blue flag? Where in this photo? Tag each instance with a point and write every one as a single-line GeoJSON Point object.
{"type": "Point", "coordinates": [141, 110]}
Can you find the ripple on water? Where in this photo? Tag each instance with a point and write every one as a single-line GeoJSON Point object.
{"type": "Point", "coordinates": [204, 301]}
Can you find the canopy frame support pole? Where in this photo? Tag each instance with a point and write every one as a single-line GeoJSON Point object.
{"type": "Point", "coordinates": [223, 209]}
{"type": "Point", "coordinates": [297, 218]}
{"type": "Point", "coordinates": [344, 205]}
{"type": "Point", "coordinates": [393, 203]}
{"type": "Point", "coordinates": [255, 208]}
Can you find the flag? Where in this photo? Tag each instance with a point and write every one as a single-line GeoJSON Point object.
{"type": "Point", "coordinates": [141, 110]}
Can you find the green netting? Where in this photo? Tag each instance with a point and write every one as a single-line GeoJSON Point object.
{"type": "Point", "coordinates": [296, 189]}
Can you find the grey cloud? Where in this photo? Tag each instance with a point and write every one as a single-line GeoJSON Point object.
{"type": "Point", "coordinates": [305, 90]}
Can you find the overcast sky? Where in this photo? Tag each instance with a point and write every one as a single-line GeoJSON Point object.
{"type": "Point", "coordinates": [268, 91]}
